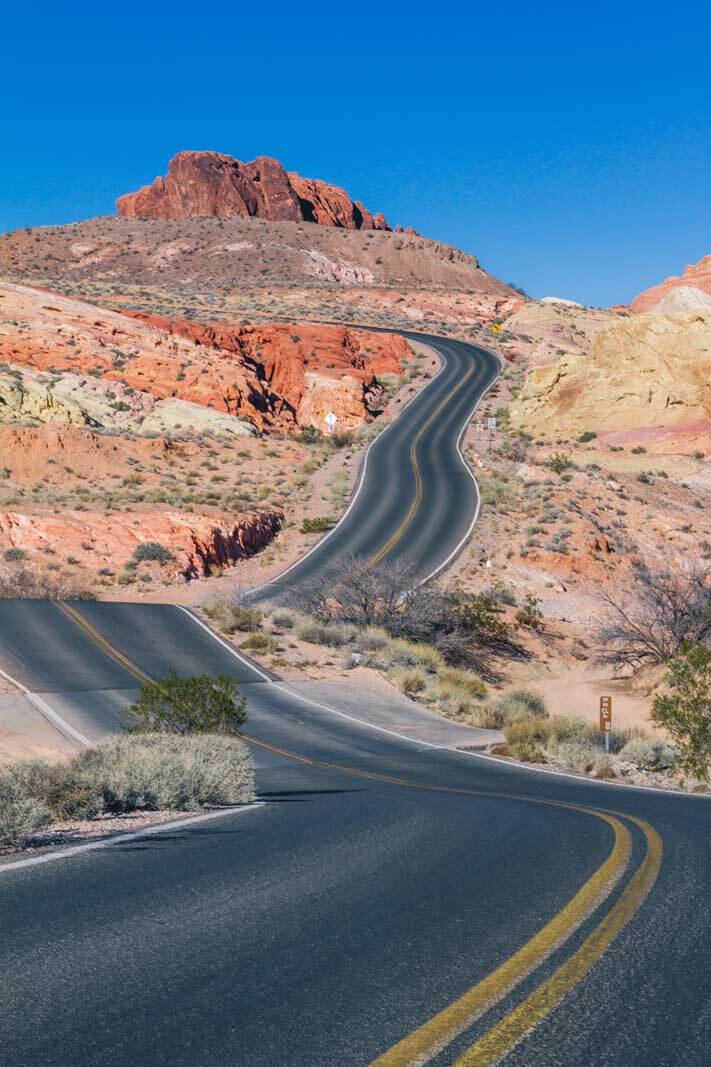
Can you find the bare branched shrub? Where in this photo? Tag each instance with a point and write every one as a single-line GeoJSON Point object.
{"type": "Point", "coordinates": [673, 608]}
{"type": "Point", "coordinates": [466, 631]}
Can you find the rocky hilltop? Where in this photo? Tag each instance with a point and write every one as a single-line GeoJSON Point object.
{"type": "Point", "coordinates": [692, 289]}
{"type": "Point", "coordinates": [209, 184]}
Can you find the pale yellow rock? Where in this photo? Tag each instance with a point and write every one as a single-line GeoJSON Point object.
{"type": "Point", "coordinates": [647, 371]}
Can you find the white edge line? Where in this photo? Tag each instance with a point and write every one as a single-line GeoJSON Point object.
{"type": "Point", "coordinates": [364, 466]}
{"type": "Point", "coordinates": [119, 838]}
{"type": "Point", "coordinates": [49, 713]}
{"type": "Point", "coordinates": [477, 511]}
{"type": "Point", "coordinates": [511, 764]}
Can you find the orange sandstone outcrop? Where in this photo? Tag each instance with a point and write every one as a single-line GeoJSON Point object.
{"type": "Point", "coordinates": [212, 184]}
{"type": "Point", "coordinates": [679, 294]}
{"type": "Point", "coordinates": [198, 544]}
{"type": "Point", "coordinates": [111, 369]}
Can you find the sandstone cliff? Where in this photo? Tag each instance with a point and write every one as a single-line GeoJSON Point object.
{"type": "Point", "coordinates": [678, 294]}
{"type": "Point", "coordinates": [648, 375]}
{"type": "Point", "coordinates": [212, 184]}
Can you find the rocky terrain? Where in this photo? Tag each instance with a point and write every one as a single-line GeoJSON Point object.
{"type": "Point", "coordinates": [201, 184]}
{"type": "Point", "coordinates": [68, 361]}
{"type": "Point", "coordinates": [685, 293]}
{"type": "Point", "coordinates": [645, 379]}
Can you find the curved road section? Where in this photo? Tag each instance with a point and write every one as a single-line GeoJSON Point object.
{"type": "Point", "coordinates": [416, 499]}
{"type": "Point", "coordinates": [392, 902]}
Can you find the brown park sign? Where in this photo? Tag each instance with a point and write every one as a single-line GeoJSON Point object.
{"type": "Point", "coordinates": [605, 715]}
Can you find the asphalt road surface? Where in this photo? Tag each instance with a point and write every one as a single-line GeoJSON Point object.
{"type": "Point", "coordinates": [390, 902]}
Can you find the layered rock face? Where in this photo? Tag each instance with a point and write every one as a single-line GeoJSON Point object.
{"type": "Point", "coordinates": [688, 291]}
{"type": "Point", "coordinates": [199, 544]}
{"type": "Point", "coordinates": [68, 361]}
{"type": "Point", "coordinates": [202, 184]}
{"type": "Point", "coordinates": [645, 378]}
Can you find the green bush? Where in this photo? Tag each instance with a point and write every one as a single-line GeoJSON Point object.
{"type": "Point", "coordinates": [153, 552]}
{"type": "Point", "coordinates": [686, 710]}
{"type": "Point", "coordinates": [319, 524]}
{"type": "Point", "coordinates": [14, 555]}
{"type": "Point", "coordinates": [588, 435]}
{"type": "Point", "coordinates": [198, 705]}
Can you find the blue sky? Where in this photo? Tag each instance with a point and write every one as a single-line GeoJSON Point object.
{"type": "Point", "coordinates": [567, 145]}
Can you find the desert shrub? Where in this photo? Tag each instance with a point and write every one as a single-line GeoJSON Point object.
{"type": "Point", "coordinates": [230, 614]}
{"type": "Point", "coordinates": [283, 619]}
{"type": "Point", "coordinates": [152, 552]}
{"type": "Point", "coordinates": [673, 609]}
{"type": "Point", "coordinates": [685, 711]}
{"type": "Point", "coordinates": [579, 754]}
{"type": "Point", "coordinates": [373, 638]}
{"type": "Point", "coordinates": [518, 705]}
{"type": "Point", "coordinates": [14, 555]}
{"type": "Point", "coordinates": [650, 753]}
{"type": "Point", "coordinates": [526, 751]}
{"type": "Point", "coordinates": [342, 439]}
{"type": "Point", "coordinates": [159, 771]}
{"type": "Point", "coordinates": [564, 728]}
{"type": "Point", "coordinates": [464, 680]}
{"type": "Point", "coordinates": [195, 705]}
{"type": "Point", "coordinates": [527, 732]}
{"type": "Point", "coordinates": [32, 584]}
{"type": "Point", "coordinates": [23, 807]}
{"type": "Point", "coordinates": [259, 642]}
{"type": "Point", "coordinates": [412, 681]}
{"type": "Point", "coordinates": [530, 615]}
{"type": "Point", "coordinates": [416, 654]}
{"type": "Point", "coordinates": [559, 462]}
{"type": "Point", "coordinates": [318, 633]}
{"type": "Point", "coordinates": [588, 435]}
{"type": "Point", "coordinates": [318, 524]}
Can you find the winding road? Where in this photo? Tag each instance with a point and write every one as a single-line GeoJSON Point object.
{"type": "Point", "coordinates": [393, 900]}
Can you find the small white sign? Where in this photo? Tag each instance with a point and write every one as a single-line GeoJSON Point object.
{"type": "Point", "coordinates": [491, 424]}
{"type": "Point", "coordinates": [331, 421]}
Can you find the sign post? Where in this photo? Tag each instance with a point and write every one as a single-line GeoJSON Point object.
{"type": "Point", "coordinates": [331, 421]}
{"type": "Point", "coordinates": [606, 720]}
{"type": "Point", "coordinates": [491, 427]}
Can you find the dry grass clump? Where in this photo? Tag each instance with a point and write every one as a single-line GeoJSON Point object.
{"type": "Point", "coordinates": [227, 612]}
{"type": "Point", "coordinates": [410, 681]}
{"type": "Point", "coordinates": [334, 635]}
{"type": "Point", "coordinates": [259, 642]}
{"type": "Point", "coordinates": [133, 772]}
{"type": "Point", "coordinates": [516, 706]}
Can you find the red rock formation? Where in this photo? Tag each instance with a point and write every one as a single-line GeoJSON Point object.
{"type": "Point", "coordinates": [328, 205]}
{"type": "Point", "coordinates": [697, 276]}
{"type": "Point", "coordinates": [219, 547]}
{"type": "Point", "coordinates": [209, 183]}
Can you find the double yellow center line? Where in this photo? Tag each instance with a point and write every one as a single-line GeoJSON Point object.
{"type": "Point", "coordinates": [415, 464]}
{"type": "Point", "coordinates": [430, 1039]}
